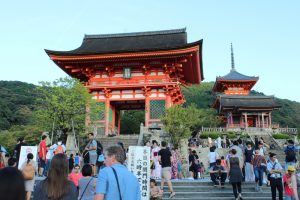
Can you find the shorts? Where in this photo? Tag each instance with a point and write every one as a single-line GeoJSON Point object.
{"type": "Point", "coordinates": [93, 159]}
{"type": "Point", "coordinates": [42, 163]}
{"type": "Point", "coordinates": [166, 173]}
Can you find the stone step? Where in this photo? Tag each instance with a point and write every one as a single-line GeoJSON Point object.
{"type": "Point", "coordinates": [216, 194]}
{"type": "Point", "coordinates": [227, 187]}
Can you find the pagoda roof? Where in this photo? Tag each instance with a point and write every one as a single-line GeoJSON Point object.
{"type": "Point", "coordinates": [233, 75]}
{"type": "Point", "coordinates": [129, 42]}
{"type": "Point", "coordinates": [250, 102]}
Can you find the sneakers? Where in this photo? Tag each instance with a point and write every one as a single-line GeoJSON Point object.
{"type": "Point", "coordinates": [172, 194]}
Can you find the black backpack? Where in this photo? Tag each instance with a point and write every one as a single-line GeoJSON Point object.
{"type": "Point", "coordinates": [290, 154]}
{"type": "Point", "coordinates": [99, 148]}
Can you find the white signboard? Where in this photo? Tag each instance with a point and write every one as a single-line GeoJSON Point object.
{"type": "Point", "coordinates": [139, 164]}
{"type": "Point", "coordinates": [23, 155]}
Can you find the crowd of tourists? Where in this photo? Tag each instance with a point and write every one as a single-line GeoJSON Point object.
{"type": "Point", "coordinates": [97, 174]}
{"type": "Point", "coordinates": [94, 175]}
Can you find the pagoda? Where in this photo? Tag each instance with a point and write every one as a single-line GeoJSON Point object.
{"type": "Point", "coordinates": [141, 70]}
{"type": "Point", "coordinates": [239, 108]}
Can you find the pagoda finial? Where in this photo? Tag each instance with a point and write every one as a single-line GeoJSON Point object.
{"type": "Point", "coordinates": [232, 59]}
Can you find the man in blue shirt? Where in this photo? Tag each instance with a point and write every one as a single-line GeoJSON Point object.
{"type": "Point", "coordinates": [110, 187]}
{"type": "Point", "coordinates": [275, 174]}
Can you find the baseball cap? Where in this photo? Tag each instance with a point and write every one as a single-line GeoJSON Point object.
{"type": "Point", "coordinates": [291, 168]}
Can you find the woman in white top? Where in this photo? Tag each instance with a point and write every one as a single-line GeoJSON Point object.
{"type": "Point", "coordinates": [212, 157]}
{"type": "Point", "coordinates": [156, 173]}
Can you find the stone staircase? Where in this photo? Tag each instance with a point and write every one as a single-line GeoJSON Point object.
{"type": "Point", "coordinates": [127, 140]}
{"type": "Point", "coordinates": [204, 190]}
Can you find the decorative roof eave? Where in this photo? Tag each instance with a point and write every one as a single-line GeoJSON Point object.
{"type": "Point", "coordinates": [191, 47]}
{"type": "Point", "coordinates": [218, 83]}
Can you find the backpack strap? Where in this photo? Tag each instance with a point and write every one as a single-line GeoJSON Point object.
{"type": "Point", "coordinates": [115, 173]}
{"type": "Point", "coordinates": [86, 187]}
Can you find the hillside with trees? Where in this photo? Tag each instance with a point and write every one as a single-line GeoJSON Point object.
{"type": "Point", "coordinates": [27, 110]}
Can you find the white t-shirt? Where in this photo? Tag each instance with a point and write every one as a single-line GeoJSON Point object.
{"type": "Point", "coordinates": [212, 157]}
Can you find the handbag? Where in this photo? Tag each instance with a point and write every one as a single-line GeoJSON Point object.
{"type": "Point", "coordinates": [115, 173]}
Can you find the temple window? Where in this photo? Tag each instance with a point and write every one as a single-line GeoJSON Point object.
{"type": "Point", "coordinates": [127, 72]}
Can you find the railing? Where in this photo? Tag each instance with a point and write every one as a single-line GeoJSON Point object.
{"type": "Point", "coordinates": [133, 82]}
{"type": "Point", "coordinates": [288, 130]}
{"type": "Point", "coordinates": [240, 128]}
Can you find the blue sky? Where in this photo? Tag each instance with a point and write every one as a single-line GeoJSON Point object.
{"type": "Point", "coordinates": [265, 35]}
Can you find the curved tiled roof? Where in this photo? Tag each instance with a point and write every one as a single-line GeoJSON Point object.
{"type": "Point", "coordinates": [234, 75]}
{"type": "Point", "coordinates": [129, 42]}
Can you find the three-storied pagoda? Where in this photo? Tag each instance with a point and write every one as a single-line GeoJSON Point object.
{"type": "Point", "coordinates": [141, 70]}
{"type": "Point", "coordinates": [239, 108]}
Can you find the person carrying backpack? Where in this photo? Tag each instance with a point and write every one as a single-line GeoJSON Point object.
{"type": "Point", "coordinates": [92, 152]}
{"type": "Point", "coordinates": [59, 148]}
{"type": "Point", "coordinates": [290, 154]}
{"type": "Point", "coordinates": [28, 171]}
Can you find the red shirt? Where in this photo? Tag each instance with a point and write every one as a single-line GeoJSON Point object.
{"type": "Point", "coordinates": [287, 189]}
{"type": "Point", "coordinates": [75, 178]}
{"type": "Point", "coordinates": [43, 148]}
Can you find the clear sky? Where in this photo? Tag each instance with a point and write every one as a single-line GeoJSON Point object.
{"type": "Point", "coordinates": [265, 35]}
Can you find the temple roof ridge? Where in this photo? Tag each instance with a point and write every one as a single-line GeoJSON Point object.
{"type": "Point", "coordinates": [133, 34]}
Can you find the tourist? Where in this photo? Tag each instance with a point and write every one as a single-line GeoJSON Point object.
{"type": "Point", "coordinates": [259, 166]}
{"type": "Point", "coordinates": [56, 185]}
{"type": "Point", "coordinates": [262, 148]}
{"type": "Point", "coordinates": [195, 165]}
{"type": "Point", "coordinates": [248, 156]}
{"type": "Point", "coordinates": [224, 163]}
{"type": "Point", "coordinates": [75, 175]}
{"type": "Point", "coordinates": [156, 172]}
{"type": "Point", "coordinates": [155, 192]}
{"type": "Point", "coordinates": [71, 162]}
{"type": "Point", "coordinates": [30, 167]}
{"type": "Point", "coordinates": [42, 155]}
{"type": "Point", "coordinates": [219, 142]}
{"type": "Point", "coordinates": [59, 148]}
{"type": "Point", "coordinates": [218, 174]}
{"type": "Point", "coordinates": [209, 142]}
{"type": "Point", "coordinates": [235, 174]}
{"type": "Point", "coordinates": [239, 151]}
{"type": "Point", "coordinates": [275, 170]}
{"type": "Point", "coordinates": [77, 159]}
{"type": "Point", "coordinates": [179, 163]}
{"type": "Point", "coordinates": [174, 167]}
{"type": "Point", "coordinates": [115, 181]}
{"type": "Point", "coordinates": [290, 184]}
{"type": "Point", "coordinates": [290, 154]}
{"type": "Point", "coordinates": [17, 150]}
{"type": "Point", "coordinates": [49, 156]}
{"type": "Point", "coordinates": [212, 157]}
{"type": "Point", "coordinates": [91, 148]}
{"type": "Point", "coordinates": [87, 184]}
{"type": "Point", "coordinates": [165, 158]}
{"type": "Point", "coordinates": [12, 162]}
{"type": "Point", "coordinates": [12, 185]}
{"type": "Point", "coordinates": [256, 142]}
{"type": "Point", "coordinates": [2, 160]}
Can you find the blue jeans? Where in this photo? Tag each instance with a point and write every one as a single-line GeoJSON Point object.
{"type": "Point", "coordinates": [258, 172]}
{"type": "Point", "coordinates": [289, 197]}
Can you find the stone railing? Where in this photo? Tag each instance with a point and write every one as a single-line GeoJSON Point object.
{"type": "Point", "coordinates": [293, 131]}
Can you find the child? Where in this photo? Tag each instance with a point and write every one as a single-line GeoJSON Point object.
{"type": "Point", "coordinates": [77, 159]}
{"type": "Point", "coordinates": [155, 192]}
{"type": "Point", "coordinates": [202, 170]}
{"type": "Point", "coordinates": [76, 175]}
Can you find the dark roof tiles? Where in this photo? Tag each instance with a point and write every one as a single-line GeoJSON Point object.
{"type": "Point", "coordinates": [234, 75]}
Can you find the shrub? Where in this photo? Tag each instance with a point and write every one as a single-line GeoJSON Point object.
{"type": "Point", "coordinates": [281, 136]}
{"type": "Point", "coordinates": [212, 135]}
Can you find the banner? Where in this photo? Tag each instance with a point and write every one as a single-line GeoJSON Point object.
{"type": "Point", "coordinates": [23, 155]}
{"type": "Point", "coordinates": [139, 164]}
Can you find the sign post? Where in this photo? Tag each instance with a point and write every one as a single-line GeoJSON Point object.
{"type": "Point", "coordinates": [23, 154]}
{"type": "Point", "coordinates": [139, 164]}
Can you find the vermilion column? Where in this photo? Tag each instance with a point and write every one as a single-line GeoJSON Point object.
{"type": "Point", "coordinates": [107, 104]}
{"type": "Point", "coordinates": [168, 101]}
{"type": "Point", "coordinates": [147, 111]}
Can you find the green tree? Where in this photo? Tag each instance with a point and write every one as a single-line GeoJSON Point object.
{"type": "Point", "coordinates": [62, 106]}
